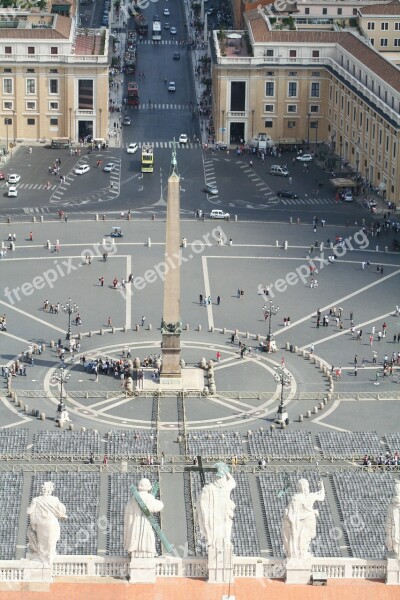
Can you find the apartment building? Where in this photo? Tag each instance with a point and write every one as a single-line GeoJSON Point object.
{"type": "Point", "coordinates": [54, 78]}
{"type": "Point", "coordinates": [380, 23]}
{"type": "Point", "coordinates": [313, 86]}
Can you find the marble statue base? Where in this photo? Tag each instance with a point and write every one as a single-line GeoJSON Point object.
{"type": "Point", "coordinates": [220, 563]}
{"type": "Point", "coordinates": [142, 570]}
{"type": "Point", "coordinates": [298, 570]}
{"type": "Point", "coordinates": [393, 571]}
{"type": "Point", "coordinates": [37, 571]}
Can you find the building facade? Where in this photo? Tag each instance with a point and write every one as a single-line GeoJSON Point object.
{"type": "Point", "coordinates": [54, 79]}
{"type": "Point", "coordinates": [313, 87]}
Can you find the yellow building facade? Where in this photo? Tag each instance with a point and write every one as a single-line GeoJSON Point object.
{"type": "Point", "coordinates": [54, 79]}
{"type": "Point", "coordinates": [310, 87]}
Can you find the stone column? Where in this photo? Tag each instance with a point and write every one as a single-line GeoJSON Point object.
{"type": "Point", "coordinates": [220, 563]}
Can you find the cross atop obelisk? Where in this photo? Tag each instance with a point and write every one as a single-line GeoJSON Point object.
{"type": "Point", "coordinates": [171, 326]}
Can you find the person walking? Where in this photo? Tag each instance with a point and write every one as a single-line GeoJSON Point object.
{"type": "Point", "coordinates": [355, 370]}
{"type": "Point", "coordinates": [101, 281]}
{"type": "Point", "coordinates": [218, 300]}
{"type": "Point", "coordinates": [143, 320]}
{"type": "Point", "coordinates": [218, 355]}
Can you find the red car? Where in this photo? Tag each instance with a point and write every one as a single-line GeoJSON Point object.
{"type": "Point", "coordinates": [2, 176]}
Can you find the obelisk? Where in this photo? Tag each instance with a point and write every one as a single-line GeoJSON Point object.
{"type": "Point", "coordinates": [171, 326]}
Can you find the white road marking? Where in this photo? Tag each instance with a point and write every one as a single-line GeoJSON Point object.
{"type": "Point", "coordinates": [207, 291]}
{"type": "Point", "coordinates": [326, 413]}
{"type": "Point", "coordinates": [128, 299]}
{"type": "Point", "coordinates": [23, 312]}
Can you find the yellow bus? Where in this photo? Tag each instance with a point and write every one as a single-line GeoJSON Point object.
{"type": "Point", "coordinates": [147, 159]}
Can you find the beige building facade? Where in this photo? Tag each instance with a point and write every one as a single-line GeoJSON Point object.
{"type": "Point", "coordinates": [311, 87]}
{"type": "Point", "coordinates": [380, 23]}
{"type": "Point", "coordinates": [54, 79]}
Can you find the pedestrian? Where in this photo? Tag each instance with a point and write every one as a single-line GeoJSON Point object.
{"type": "Point", "coordinates": [109, 322]}
{"type": "Point", "coordinates": [218, 355]}
{"type": "Point", "coordinates": [355, 360]}
{"type": "Point", "coordinates": [143, 320]}
{"type": "Point", "coordinates": [238, 293]}
{"type": "Point", "coordinates": [218, 300]}
{"type": "Point", "coordinates": [379, 336]}
{"type": "Point", "coordinates": [101, 280]}
{"type": "Point", "coordinates": [312, 349]}
{"type": "Point", "coordinates": [30, 236]}
{"type": "Point", "coordinates": [201, 298]}
{"type": "Point", "coordinates": [232, 338]}
{"type": "Point", "coordinates": [112, 185]}
{"type": "Point", "coordinates": [105, 459]}
{"type": "Point", "coordinates": [355, 370]}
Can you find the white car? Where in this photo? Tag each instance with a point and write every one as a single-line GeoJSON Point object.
{"type": "Point", "coordinates": [304, 157]}
{"type": "Point", "coordinates": [183, 138]}
{"type": "Point", "coordinates": [12, 192]}
{"type": "Point", "coordinates": [132, 148]}
{"type": "Point", "coordinates": [219, 214]}
{"type": "Point", "coordinates": [14, 178]}
{"type": "Point", "coordinates": [172, 86]}
{"type": "Point", "coordinates": [82, 169]}
{"type": "Point", "coordinates": [109, 167]}
{"type": "Point", "coordinates": [348, 197]}
{"type": "Point", "coordinates": [173, 31]}
{"type": "Point", "coordinates": [166, 12]}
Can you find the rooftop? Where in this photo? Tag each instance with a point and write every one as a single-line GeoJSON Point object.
{"type": "Point", "coordinates": [34, 26]}
{"type": "Point", "coordinates": [391, 9]}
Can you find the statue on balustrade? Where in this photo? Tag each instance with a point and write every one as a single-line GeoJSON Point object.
{"type": "Point", "coordinates": [139, 525]}
{"type": "Point", "coordinates": [393, 523]}
{"type": "Point", "coordinates": [300, 520]}
{"type": "Point", "coordinates": [44, 528]}
{"type": "Point", "coordinates": [216, 509]}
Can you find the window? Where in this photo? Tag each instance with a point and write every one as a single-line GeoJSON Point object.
{"type": "Point", "coordinates": [314, 89]}
{"type": "Point", "coordinates": [314, 108]}
{"type": "Point", "coordinates": [31, 86]}
{"type": "Point", "coordinates": [270, 73]}
{"type": "Point", "coordinates": [53, 70]}
{"type": "Point", "coordinates": [354, 12]}
{"type": "Point", "coordinates": [324, 11]}
{"type": "Point", "coordinates": [269, 108]}
{"type": "Point", "coordinates": [7, 50]}
{"type": "Point", "coordinates": [292, 74]}
{"type": "Point", "coordinates": [292, 89]}
{"type": "Point", "coordinates": [292, 108]}
{"type": "Point", "coordinates": [7, 70]}
{"type": "Point", "coordinates": [339, 11]}
{"type": "Point", "coordinates": [53, 105]}
{"type": "Point", "coordinates": [268, 123]}
{"type": "Point", "coordinates": [54, 122]}
{"type": "Point", "coordinates": [384, 42]}
{"type": "Point", "coordinates": [397, 42]}
{"type": "Point", "coordinates": [306, 11]}
{"type": "Point", "coordinates": [397, 26]}
{"type": "Point", "coordinates": [270, 88]}
{"type": "Point", "coordinates": [370, 25]}
{"type": "Point", "coordinates": [315, 54]}
{"type": "Point", "coordinates": [269, 53]}
{"type": "Point", "coordinates": [291, 124]}
{"type": "Point", "coordinates": [315, 73]}
{"type": "Point", "coordinates": [31, 105]}
{"type": "Point", "coordinates": [30, 121]}
{"type": "Point", "coordinates": [7, 86]}
{"type": "Point", "coordinates": [292, 53]}
{"type": "Point", "coordinates": [53, 50]}
{"type": "Point", "coordinates": [7, 105]}
{"type": "Point", "coordinates": [7, 121]}
{"type": "Point", "coordinates": [85, 94]}
{"type": "Point", "coordinates": [30, 70]}
{"type": "Point", "coordinates": [384, 26]}
{"type": "Point", "coordinates": [31, 49]}
{"type": "Point", "coordinates": [372, 42]}
{"type": "Point", "coordinates": [53, 86]}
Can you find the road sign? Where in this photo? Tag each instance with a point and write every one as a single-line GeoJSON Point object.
{"type": "Point", "coordinates": [222, 129]}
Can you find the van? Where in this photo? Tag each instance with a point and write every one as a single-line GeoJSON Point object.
{"type": "Point", "coordinates": [59, 143]}
{"type": "Point", "coordinates": [278, 170]}
{"type": "Point", "coordinates": [219, 214]}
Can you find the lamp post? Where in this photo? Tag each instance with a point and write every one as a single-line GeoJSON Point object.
{"type": "Point", "coordinates": [70, 124]}
{"type": "Point", "coordinates": [69, 308]}
{"type": "Point", "coordinates": [308, 131]}
{"type": "Point", "coordinates": [271, 310]}
{"type": "Point", "coordinates": [14, 123]}
{"type": "Point", "coordinates": [252, 123]}
{"type": "Point", "coordinates": [100, 111]}
{"type": "Point", "coordinates": [340, 157]}
{"type": "Point", "coordinates": [7, 120]}
{"type": "Point", "coordinates": [316, 135]}
{"type": "Point", "coordinates": [223, 126]}
{"type": "Point", "coordinates": [61, 378]}
{"type": "Point", "coordinates": [283, 378]}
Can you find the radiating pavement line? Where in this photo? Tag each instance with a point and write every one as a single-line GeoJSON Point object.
{"type": "Point", "coordinates": [207, 291]}
{"type": "Point", "coordinates": [332, 408]}
{"type": "Point", "coordinates": [10, 306]}
{"type": "Point", "coordinates": [15, 337]}
{"type": "Point", "coordinates": [128, 299]}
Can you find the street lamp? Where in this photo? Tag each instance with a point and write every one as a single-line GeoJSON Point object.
{"type": "Point", "coordinates": [252, 123]}
{"type": "Point", "coordinates": [223, 125]}
{"type": "Point", "coordinates": [7, 123]}
{"type": "Point", "coordinates": [69, 308]}
{"type": "Point", "coordinates": [308, 131]}
{"type": "Point", "coordinates": [316, 135]}
{"type": "Point", "coordinates": [61, 378]}
{"type": "Point", "coordinates": [272, 310]}
{"type": "Point", "coordinates": [100, 111]}
{"type": "Point", "coordinates": [283, 378]}
{"type": "Point", "coordinates": [14, 126]}
{"type": "Point", "coordinates": [340, 157]}
{"type": "Point", "coordinates": [70, 124]}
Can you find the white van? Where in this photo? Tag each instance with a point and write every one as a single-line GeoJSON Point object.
{"type": "Point", "coordinates": [278, 170]}
{"type": "Point", "coordinates": [219, 214]}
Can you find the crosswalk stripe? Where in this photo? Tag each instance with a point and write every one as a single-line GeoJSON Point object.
{"type": "Point", "coordinates": [165, 144]}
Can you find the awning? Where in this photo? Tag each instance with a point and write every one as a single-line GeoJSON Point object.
{"type": "Point", "coordinates": [382, 186]}
{"type": "Point", "coordinates": [341, 182]}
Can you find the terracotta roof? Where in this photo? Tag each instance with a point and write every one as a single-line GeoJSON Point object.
{"type": "Point", "coordinates": [61, 30]}
{"type": "Point", "coordinates": [352, 44]}
{"type": "Point", "coordinates": [391, 9]}
{"type": "Point", "coordinates": [181, 589]}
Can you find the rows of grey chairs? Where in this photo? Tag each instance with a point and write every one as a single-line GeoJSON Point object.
{"type": "Point", "coordinates": [13, 441]}
{"type": "Point", "coordinates": [62, 444]}
{"type": "Point", "coordinates": [215, 443]}
{"type": "Point", "coordinates": [348, 444]}
{"type": "Point", "coordinates": [80, 492]}
{"type": "Point", "coordinates": [276, 490]}
{"type": "Point", "coordinates": [280, 444]}
{"type": "Point", "coordinates": [119, 492]}
{"type": "Point", "coordinates": [244, 532]}
{"type": "Point", "coordinates": [127, 444]}
{"type": "Point", "coordinates": [10, 502]}
{"type": "Point", "coordinates": [363, 502]}
{"type": "Point", "coordinates": [392, 441]}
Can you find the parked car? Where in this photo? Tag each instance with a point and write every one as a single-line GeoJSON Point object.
{"type": "Point", "coordinates": [126, 121]}
{"type": "Point", "coordinates": [2, 176]}
{"type": "Point", "coordinates": [304, 157]}
{"type": "Point", "coordinates": [211, 189]}
{"type": "Point", "coordinates": [219, 214]}
{"type": "Point", "coordinates": [166, 12]}
{"type": "Point", "coordinates": [166, 25]}
{"type": "Point", "coordinates": [183, 138]}
{"type": "Point", "coordinates": [171, 86]}
{"type": "Point", "coordinates": [12, 192]}
{"type": "Point", "coordinates": [286, 194]}
{"type": "Point", "coordinates": [173, 31]}
{"type": "Point", "coordinates": [82, 169]}
{"type": "Point", "coordinates": [176, 56]}
{"type": "Point", "coordinates": [278, 170]}
{"type": "Point", "coordinates": [109, 167]}
{"type": "Point", "coordinates": [348, 196]}
{"type": "Point", "coordinates": [132, 148]}
{"type": "Point", "coordinates": [14, 178]}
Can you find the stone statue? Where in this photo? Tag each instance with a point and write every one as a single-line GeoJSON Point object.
{"type": "Point", "coordinates": [215, 508]}
{"type": "Point", "coordinates": [139, 539]}
{"type": "Point", "coordinates": [393, 523]}
{"type": "Point", "coordinates": [44, 529]}
{"type": "Point", "coordinates": [300, 522]}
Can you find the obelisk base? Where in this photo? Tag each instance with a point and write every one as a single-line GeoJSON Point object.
{"type": "Point", "coordinates": [220, 563]}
